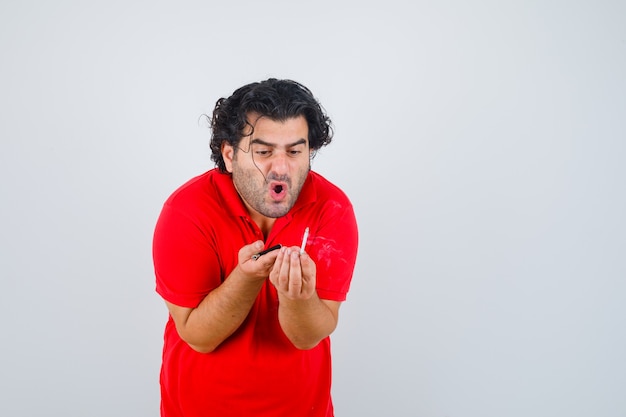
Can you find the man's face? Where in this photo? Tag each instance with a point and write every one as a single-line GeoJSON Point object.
{"type": "Point", "coordinates": [270, 166]}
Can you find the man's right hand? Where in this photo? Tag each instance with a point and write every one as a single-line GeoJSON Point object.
{"type": "Point", "coordinates": [257, 268]}
{"type": "Point", "coordinates": [223, 310]}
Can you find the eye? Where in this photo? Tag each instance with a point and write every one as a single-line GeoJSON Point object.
{"type": "Point", "coordinates": [294, 151]}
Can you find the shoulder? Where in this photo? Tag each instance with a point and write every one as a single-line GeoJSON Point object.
{"type": "Point", "coordinates": [206, 187]}
{"type": "Point", "coordinates": [189, 189]}
{"type": "Point", "coordinates": [200, 207]}
{"type": "Point", "coordinates": [325, 189]}
{"type": "Point", "coordinates": [324, 202]}
{"type": "Point", "coordinates": [209, 194]}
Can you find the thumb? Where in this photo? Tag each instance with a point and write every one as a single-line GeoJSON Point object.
{"type": "Point", "coordinates": [252, 248]}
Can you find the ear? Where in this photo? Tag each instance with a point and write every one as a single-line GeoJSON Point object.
{"type": "Point", "coordinates": [228, 153]}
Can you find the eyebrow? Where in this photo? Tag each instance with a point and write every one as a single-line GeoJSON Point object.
{"type": "Point", "coordinates": [273, 145]}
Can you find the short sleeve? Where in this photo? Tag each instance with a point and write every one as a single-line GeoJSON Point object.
{"type": "Point", "coordinates": [334, 248]}
{"type": "Point", "coordinates": [185, 260]}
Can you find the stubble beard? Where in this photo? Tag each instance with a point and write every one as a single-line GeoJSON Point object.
{"type": "Point", "coordinates": [253, 189]}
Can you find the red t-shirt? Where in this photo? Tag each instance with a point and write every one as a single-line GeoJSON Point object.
{"type": "Point", "coordinates": [256, 371]}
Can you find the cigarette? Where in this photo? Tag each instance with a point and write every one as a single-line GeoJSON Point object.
{"type": "Point", "coordinates": [263, 252]}
{"type": "Point", "coordinates": [304, 238]}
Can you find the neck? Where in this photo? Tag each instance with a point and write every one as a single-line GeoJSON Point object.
{"type": "Point", "coordinates": [264, 223]}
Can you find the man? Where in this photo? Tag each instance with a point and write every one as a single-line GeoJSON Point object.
{"type": "Point", "coordinates": [248, 330]}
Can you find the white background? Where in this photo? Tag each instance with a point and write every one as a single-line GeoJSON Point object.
{"type": "Point", "coordinates": [482, 144]}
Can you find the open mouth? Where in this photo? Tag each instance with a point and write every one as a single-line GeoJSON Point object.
{"type": "Point", "coordinates": [278, 190]}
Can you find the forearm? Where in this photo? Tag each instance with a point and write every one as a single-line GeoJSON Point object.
{"type": "Point", "coordinates": [306, 322]}
{"type": "Point", "coordinates": [220, 313]}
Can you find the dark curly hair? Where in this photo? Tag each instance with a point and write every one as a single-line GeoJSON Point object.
{"type": "Point", "coordinates": [276, 99]}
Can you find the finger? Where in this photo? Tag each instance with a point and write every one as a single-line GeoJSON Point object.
{"type": "Point", "coordinates": [283, 273]}
{"type": "Point", "coordinates": [275, 269]}
{"type": "Point", "coordinates": [269, 259]}
{"type": "Point", "coordinates": [295, 274]}
{"type": "Point", "coordinates": [259, 266]}
{"type": "Point", "coordinates": [309, 269]}
{"type": "Point", "coordinates": [246, 252]}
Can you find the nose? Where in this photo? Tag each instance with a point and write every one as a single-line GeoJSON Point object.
{"type": "Point", "coordinates": [280, 165]}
